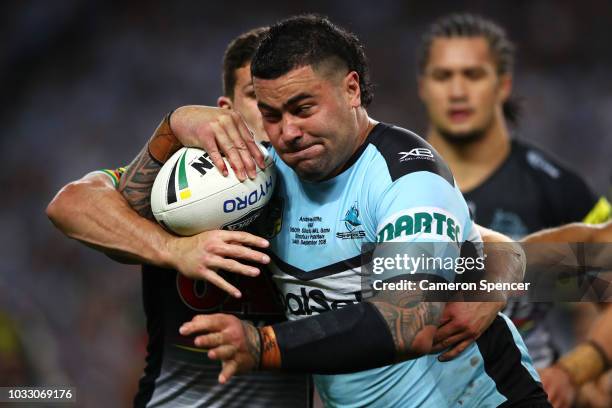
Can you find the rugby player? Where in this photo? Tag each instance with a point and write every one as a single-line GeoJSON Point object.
{"type": "Point", "coordinates": [93, 212]}
{"type": "Point", "coordinates": [177, 271]}
{"type": "Point", "coordinates": [312, 87]}
{"type": "Point", "coordinates": [465, 64]}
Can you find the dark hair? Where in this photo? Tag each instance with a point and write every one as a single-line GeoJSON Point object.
{"type": "Point", "coordinates": [471, 25]}
{"type": "Point", "coordinates": [238, 54]}
{"type": "Point", "coordinates": [310, 40]}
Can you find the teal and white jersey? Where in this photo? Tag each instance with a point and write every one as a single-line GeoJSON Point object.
{"type": "Point", "coordinates": [396, 188]}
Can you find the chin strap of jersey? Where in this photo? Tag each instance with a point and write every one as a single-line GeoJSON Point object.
{"type": "Point", "coordinates": [354, 338]}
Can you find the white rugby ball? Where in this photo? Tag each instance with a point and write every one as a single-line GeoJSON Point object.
{"type": "Point", "coordinates": [190, 195]}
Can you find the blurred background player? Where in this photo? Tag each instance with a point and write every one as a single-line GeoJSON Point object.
{"type": "Point", "coordinates": [465, 65]}
{"type": "Point", "coordinates": [93, 211]}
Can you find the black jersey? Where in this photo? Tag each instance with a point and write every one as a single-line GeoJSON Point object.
{"type": "Point", "coordinates": [527, 193]}
{"type": "Point", "coordinates": [178, 374]}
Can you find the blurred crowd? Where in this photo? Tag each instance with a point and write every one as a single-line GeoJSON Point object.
{"type": "Point", "coordinates": [85, 82]}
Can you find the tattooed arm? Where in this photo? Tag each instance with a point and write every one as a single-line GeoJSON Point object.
{"type": "Point", "coordinates": [389, 328]}
{"type": "Point", "coordinates": [93, 211]}
{"type": "Point", "coordinates": [411, 321]}
{"type": "Point", "coordinates": [136, 184]}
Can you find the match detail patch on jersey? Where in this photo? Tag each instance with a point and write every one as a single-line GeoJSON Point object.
{"type": "Point", "coordinates": [424, 223]}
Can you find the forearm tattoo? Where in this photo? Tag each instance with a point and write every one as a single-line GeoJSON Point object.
{"type": "Point", "coordinates": [406, 315]}
{"type": "Point", "coordinates": [253, 342]}
{"type": "Point", "coordinates": [137, 182]}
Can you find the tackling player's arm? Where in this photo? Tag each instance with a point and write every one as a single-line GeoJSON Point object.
{"type": "Point", "coordinates": [575, 232]}
{"type": "Point", "coordinates": [92, 211]}
{"type": "Point", "coordinates": [588, 360]}
{"type": "Point", "coordinates": [196, 126]}
{"type": "Point", "coordinates": [461, 322]}
{"type": "Point", "coordinates": [384, 330]}
{"type": "Point", "coordinates": [392, 326]}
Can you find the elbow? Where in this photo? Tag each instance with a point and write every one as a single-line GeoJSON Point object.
{"type": "Point", "coordinates": [56, 209]}
{"type": "Point", "coordinates": [62, 207]}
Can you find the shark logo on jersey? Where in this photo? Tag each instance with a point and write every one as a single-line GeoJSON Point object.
{"type": "Point", "coordinates": [351, 222]}
{"type": "Point", "coordinates": [351, 219]}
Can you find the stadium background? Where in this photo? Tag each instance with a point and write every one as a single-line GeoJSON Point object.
{"type": "Point", "coordinates": [85, 82]}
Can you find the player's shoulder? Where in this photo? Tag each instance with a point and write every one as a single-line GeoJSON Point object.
{"type": "Point", "coordinates": [405, 152]}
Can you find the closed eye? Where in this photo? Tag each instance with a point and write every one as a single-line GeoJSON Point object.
{"type": "Point", "coordinates": [302, 110]}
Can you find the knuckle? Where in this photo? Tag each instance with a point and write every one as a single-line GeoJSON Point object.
{"type": "Point", "coordinates": [226, 118]}
{"type": "Point", "coordinates": [207, 257]}
{"type": "Point", "coordinates": [215, 248]}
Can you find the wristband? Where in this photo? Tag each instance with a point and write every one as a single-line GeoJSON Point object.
{"type": "Point", "coordinates": [163, 143]}
{"type": "Point", "coordinates": [270, 357]}
{"type": "Point", "coordinates": [585, 363]}
{"type": "Point", "coordinates": [601, 351]}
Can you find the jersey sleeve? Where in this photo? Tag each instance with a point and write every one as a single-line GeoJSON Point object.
{"type": "Point", "coordinates": [423, 216]}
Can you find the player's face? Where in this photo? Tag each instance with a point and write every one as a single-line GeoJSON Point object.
{"type": "Point", "coordinates": [310, 119]}
{"type": "Point", "coordinates": [244, 102]}
{"type": "Point", "coordinates": [460, 87]}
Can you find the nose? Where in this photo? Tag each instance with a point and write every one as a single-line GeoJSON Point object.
{"type": "Point", "coordinates": [291, 131]}
{"type": "Point", "coordinates": [457, 88]}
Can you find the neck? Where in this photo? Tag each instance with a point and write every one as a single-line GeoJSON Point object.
{"type": "Point", "coordinates": [473, 163]}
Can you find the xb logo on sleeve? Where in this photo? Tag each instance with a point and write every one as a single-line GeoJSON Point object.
{"type": "Point", "coordinates": [416, 154]}
{"type": "Point", "coordinates": [351, 223]}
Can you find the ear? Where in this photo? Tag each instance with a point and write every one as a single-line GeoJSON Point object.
{"type": "Point", "coordinates": [505, 87]}
{"type": "Point", "coordinates": [353, 89]}
{"type": "Point", "coordinates": [224, 102]}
